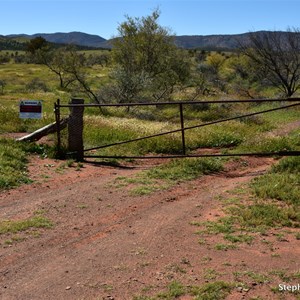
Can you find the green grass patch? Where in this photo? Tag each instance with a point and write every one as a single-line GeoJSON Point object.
{"type": "Point", "coordinates": [284, 187]}
{"type": "Point", "coordinates": [280, 116]}
{"type": "Point", "coordinates": [259, 216]}
{"type": "Point", "coordinates": [277, 205]}
{"type": "Point", "coordinates": [239, 238]}
{"type": "Point", "coordinates": [285, 276]}
{"type": "Point", "coordinates": [13, 160]}
{"type": "Point", "coordinates": [9, 226]}
{"type": "Point", "coordinates": [212, 291]}
{"type": "Point", "coordinates": [229, 134]}
{"type": "Point", "coordinates": [101, 130]}
{"type": "Point", "coordinates": [267, 144]}
{"type": "Point", "coordinates": [170, 174]}
{"type": "Point", "coordinates": [256, 277]}
{"type": "Point", "coordinates": [223, 225]}
{"type": "Point", "coordinates": [225, 247]}
{"type": "Point", "coordinates": [217, 290]}
{"type": "Point", "coordinates": [288, 164]}
{"type": "Point", "coordinates": [178, 170]}
{"type": "Point", "coordinates": [281, 183]}
{"type": "Point", "coordinates": [228, 227]}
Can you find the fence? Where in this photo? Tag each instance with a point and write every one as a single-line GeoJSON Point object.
{"type": "Point", "coordinates": [75, 134]}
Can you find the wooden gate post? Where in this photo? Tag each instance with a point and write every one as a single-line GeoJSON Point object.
{"type": "Point", "coordinates": [75, 129]}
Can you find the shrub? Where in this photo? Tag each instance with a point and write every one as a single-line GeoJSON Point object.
{"type": "Point", "coordinates": [36, 84]}
{"type": "Point", "coordinates": [2, 85]}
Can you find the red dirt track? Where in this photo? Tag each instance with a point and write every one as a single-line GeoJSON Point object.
{"type": "Point", "coordinates": [106, 244]}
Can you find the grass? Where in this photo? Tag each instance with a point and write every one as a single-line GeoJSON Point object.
{"type": "Point", "coordinates": [256, 277]}
{"type": "Point", "coordinates": [210, 291]}
{"type": "Point", "coordinates": [265, 215]}
{"type": "Point", "coordinates": [178, 170]}
{"type": "Point", "coordinates": [9, 226]}
{"type": "Point", "coordinates": [239, 238]}
{"type": "Point", "coordinates": [267, 144]}
{"type": "Point", "coordinates": [284, 276]}
{"type": "Point", "coordinates": [225, 247]}
{"type": "Point", "coordinates": [210, 274]}
{"type": "Point", "coordinates": [275, 205]}
{"type": "Point", "coordinates": [280, 186]}
{"type": "Point", "coordinates": [278, 117]}
{"type": "Point", "coordinates": [13, 160]}
{"type": "Point", "coordinates": [281, 183]}
{"type": "Point", "coordinates": [223, 225]}
{"type": "Point", "coordinates": [227, 227]}
{"type": "Point", "coordinates": [170, 174]}
{"type": "Point", "coordinates": [115, 129]}
{"type": "Point", "coordinates": [279, 191]}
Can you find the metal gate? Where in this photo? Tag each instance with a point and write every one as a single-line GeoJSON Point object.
{"type": "Point", "coordinates": [81, 153]}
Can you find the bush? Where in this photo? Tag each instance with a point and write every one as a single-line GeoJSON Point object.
{"type": "Point", "coordinates": [36, 84]}
{"type": "Point", "coordinates": [2, 85]}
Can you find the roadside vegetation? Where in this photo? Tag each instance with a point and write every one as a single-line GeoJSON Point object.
{"type": "Point", "coordinates": [13, 161]}
{"type": "Point", "coordinates": [12, 165]}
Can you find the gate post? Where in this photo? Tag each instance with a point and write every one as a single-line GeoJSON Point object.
{"type": "Point", "coordinates": [75, 129]}
{"type": "Point", "coordinates": [57, 120]}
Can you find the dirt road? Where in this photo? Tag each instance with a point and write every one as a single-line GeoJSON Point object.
{"type": "Point", "coordinates": [106, 244]}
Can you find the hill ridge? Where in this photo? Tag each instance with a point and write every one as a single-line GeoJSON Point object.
{"type": "Point", "coordinates": [205, 42]}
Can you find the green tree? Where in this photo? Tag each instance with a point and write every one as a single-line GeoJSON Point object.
{"type": "Point", "coordinates": [241, 75]}
{"type": "Point", "coordinates": [215, 61]}
{"type": "Point", "coordinates": [148, 65]}
{"type": "Point", "coordinates": [35, 44]}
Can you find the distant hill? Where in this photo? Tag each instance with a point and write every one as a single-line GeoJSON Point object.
{"type": "Point", "coordinates": [205, 42]}
{"type": "Point", "coordinates": [211, 42]}
{"type": "Point", "coordinates": [75, 38]}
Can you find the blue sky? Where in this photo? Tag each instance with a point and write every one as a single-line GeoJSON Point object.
{"type": "Point", "coordinates": [189, 17]}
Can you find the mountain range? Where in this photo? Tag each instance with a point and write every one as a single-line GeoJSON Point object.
{"type": "Point", "coordinates": [206, 42]}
